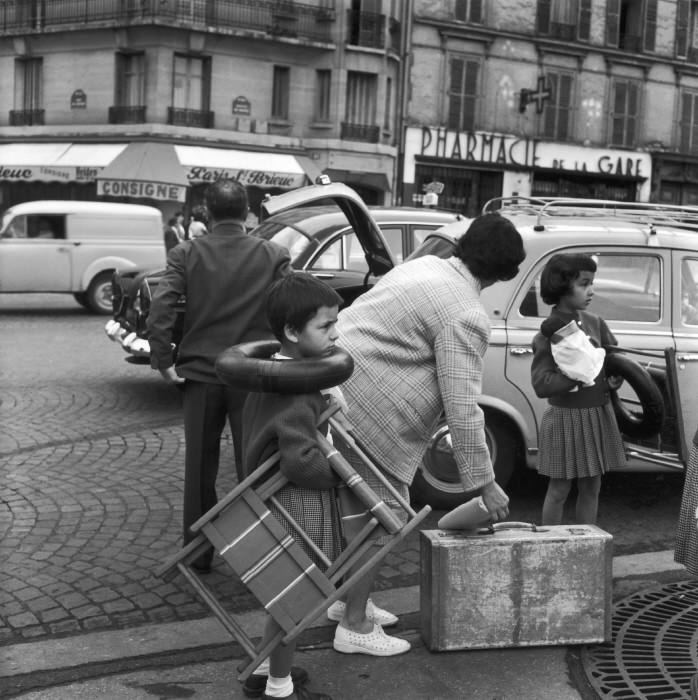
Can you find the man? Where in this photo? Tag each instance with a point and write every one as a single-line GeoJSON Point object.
{"type": "Point", "coordinates": [418, 339]}
{"type": "Point", "coordinates": [225, 276]}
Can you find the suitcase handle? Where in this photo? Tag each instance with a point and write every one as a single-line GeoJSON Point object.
{"type": "Point", "coordinates": [512, 525]}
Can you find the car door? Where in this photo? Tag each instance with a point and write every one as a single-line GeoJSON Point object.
{"type": "Point", "coordinates": [35, 256]}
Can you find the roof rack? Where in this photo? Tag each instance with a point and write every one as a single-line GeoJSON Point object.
{"type": "Point", "coordinates": [681, 216]}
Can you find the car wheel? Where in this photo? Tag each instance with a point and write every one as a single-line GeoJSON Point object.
{"type": "Point", "coordinates": [437, 483]}
{"type": "Point", "coordinates": [81, 298]}
{"type": "Point", "coordinates": [99, 294]}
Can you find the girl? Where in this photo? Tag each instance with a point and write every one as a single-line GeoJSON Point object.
{"type": "Point", "coordinates": [579, 435]}
{"type": "Point", "coordinates": [686, 551]}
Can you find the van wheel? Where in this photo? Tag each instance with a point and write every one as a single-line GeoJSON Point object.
{"type": "Point", "coordinates": [437, 483]}
{"type": "Point", "coordinates": [99, 294]}
{"type": "Point", "coordinates": [81, 298]}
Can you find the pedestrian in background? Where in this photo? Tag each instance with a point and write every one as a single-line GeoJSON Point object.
{"type": "Point", "coordinates": [171, 234]}
{"type": "Point", "coordinates": [579, 435]}
{"type": "Point", "coordinates": [198, 226]}
{"type": "Point", "coordinates": [686, 550]}
{"type": "Point", "coordinates": [225, 276]}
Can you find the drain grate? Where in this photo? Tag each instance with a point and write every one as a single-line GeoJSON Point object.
{"type": "Point", "coordinates": [654, 650]}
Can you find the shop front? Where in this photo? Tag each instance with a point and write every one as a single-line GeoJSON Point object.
{"type": "Point", "coordinates": [674, 178]}
{"type": "Point", "coordinates": [475, 167]}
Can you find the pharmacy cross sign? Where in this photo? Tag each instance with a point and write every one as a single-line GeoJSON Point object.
{"type": "Point", "coordinates": [539, 96]}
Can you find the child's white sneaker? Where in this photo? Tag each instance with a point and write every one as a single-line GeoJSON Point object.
{"type": "Point", "coordinates": [375, 643]}
{"type": "Point", "coordinates": [373, 613]}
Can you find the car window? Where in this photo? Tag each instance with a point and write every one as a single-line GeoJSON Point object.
{"type": "Point", "coordinates": [419, 234]}
{"type": "Point", "coordinates": [330, 258]}
{"type": "Point", "coordinates": [17, 228]}
{"type": "Point", "coordinates": [626, 288]}
{"type": "Point", "coordinates": [354, 255]}
{"type": "Point", "coordinates": [287, 236]}
{"type": "Point", "coordinates": [689, 291]}
{"type": "Point", "coordinates": [393, 235]}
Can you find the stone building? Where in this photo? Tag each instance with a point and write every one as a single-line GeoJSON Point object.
{"type": "Point", "coordinates": [271, 93]}
{"type": "Point", "coordinates": [555, 97]}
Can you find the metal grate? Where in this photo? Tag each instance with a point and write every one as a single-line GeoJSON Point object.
{"type": "Point", "coordinates": [654, 650]}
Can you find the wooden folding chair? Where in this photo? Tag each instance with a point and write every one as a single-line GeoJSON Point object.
{"type": "Point", "coordinates": [272, 564]}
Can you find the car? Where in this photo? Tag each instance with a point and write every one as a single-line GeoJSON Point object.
{"type": "Point", "coordinates": [646, 288]}
{"type": "Point", "coordinates": [320, 240]}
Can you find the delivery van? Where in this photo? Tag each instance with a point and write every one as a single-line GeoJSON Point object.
{"type": "Point", "coordinates": [74, 247]}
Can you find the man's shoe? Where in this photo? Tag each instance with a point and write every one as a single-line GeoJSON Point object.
{"type": "Point", "coordinates": [373, 613]}
{"type": "Point", "coordinates": [375, 643]}
{"type": "Point", "coordinates": [255, 685]}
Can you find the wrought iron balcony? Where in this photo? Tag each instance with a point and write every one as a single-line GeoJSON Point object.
{"type": "Point", "coordinates": [290, 18]}
{"type": "Point", "coordinates": [190, 117]}
{"type": "Point", "coordinates": [365, 29]}
{"type": "Point", "coordinates": [127, 115]}
{"type": "Point", "coordinates": [26, 117]}
{"type": "Point", "coordinates": [360, 132]}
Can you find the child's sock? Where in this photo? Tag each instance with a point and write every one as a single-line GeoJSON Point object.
{"type": "Point", "coordinates": [279, 687]}
{"type": "Point", "coordinates": [262, 669]}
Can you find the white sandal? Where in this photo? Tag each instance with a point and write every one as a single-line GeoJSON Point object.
{"type": "Point", "coordinates": [373, 613]}
{"type": "Point", "coordinates": [375, 643]}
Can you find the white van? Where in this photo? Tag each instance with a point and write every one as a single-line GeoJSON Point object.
{"type": "Point", "coordinates": [74, 247]}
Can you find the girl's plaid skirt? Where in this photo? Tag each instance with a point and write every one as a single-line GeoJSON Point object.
{"type": "Point", "coordinates": [686, 550]}
{"type": "Point", "coordinates": [579, 442]}
{"type": "Point", "coordinates": [315, 512]}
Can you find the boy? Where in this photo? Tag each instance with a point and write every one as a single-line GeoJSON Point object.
{"type": "Point", "coordinates": [302, 312]}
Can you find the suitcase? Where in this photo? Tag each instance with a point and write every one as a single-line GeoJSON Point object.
{"type": "Point", "coordinates": [515, 585]}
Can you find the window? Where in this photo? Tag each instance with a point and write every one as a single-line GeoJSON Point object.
{"type": "Point", "coordinates": [688, 126]}
{"type": "Point", "coordinates": [388, 100]}
{"type": "Point", "coordinates": [689, 292]}
{"type": "Point", "coordinates": [564, 19]}
{"type": "Point", "coordinates": [394, 238]}
{"type": "Point", "coordinates": [556, 117]}
{"type": "Point", "coordinates": [130, 79]}
{"type": "Point", "coordinates": [28, 84]}
{"type": "Point", "coordinates": [323, 87]}
{"type": "Point", "coordinates": [625, 110]}
{"type": "Point", "coordinates": [280, 92]}
{"type": "Point", "coordinates": [469, 11]}
{"type": "Point", "coordinates": [687, 30]}
{"type": "Point", "coordinates": [631, 24]}
{"type": "Point", "coordinates": [191, 84]}
{"type": "Point", "coordinates": [626, 288]}
{"type": "Point", "coordinates": [462, 93]}
{"type": "Point", "coordinates": [360, 113]}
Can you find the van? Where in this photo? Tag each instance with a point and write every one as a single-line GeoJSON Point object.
{"type": "Point", "coordinates": [74, 247]}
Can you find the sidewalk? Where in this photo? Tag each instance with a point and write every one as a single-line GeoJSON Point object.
{"type": "Point", "coordinates": [196, 659]}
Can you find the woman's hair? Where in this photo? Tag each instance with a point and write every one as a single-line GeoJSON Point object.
{"type": "Point", "coordinates": [295, 299]}
{"type": "Point", "coordinates": [200, 213]}
{"type": "Point", "coordinates": [491, 248]}
{"type": "Point", "coordinates": [560, 272]}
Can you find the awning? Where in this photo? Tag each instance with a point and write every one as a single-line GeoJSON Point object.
{"type": "Point", "coordinates": [377, 181]}
{"type": "Point", "coordinates": [51, 162]}
{"type": "Point", "coordinates": [145, 170]}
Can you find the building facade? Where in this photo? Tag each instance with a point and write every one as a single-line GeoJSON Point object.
{"type": "Point", "coordinates": [270, 93]}
{"type": "Point", "coordinates": [552, 98]}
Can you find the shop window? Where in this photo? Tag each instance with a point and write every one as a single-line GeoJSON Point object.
{"type": "Point", "coordinates": [323, 92]}
{"type": "Point", "coordinates": [564, 19]}
{"type": "Point", "coordinates": [462, 93]}
{"type": "Point", "coordinates": [29, 87]}
{"type": "Point", "coordinates": [361, 107]}
{"type": "Point", "coordinates": [281, 86]}
{"type": "Point", "coordinates": [626, 288]}
{"type": "Point", "coordinates": [625, 101]}
{"type": "Point", "coordinates": [191, 83]}
{"type": "Point", "coordinates": [468, 11]}
{"type": "Point", "coordinates": [558, 109]}
{"type": "Point", "coordinates": [631, 25]}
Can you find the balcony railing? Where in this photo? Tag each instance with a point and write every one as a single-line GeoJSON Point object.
{"type": "Point", "coordinates": [291, 18]}
{"type": "Point", "coordinates": [26, 117]}
{"type": "Point", "coordinates": [190, 117]}
{"type": "Point", "coordinates": [560, 30]}
{"type": "Point", "coordinates": [360, 132]}
{"type": "Point", "coordinates": [630, 42]}
{"type": "Point", "coordinates": [127, 115]}
{"type": "Point", "coordinates": [365, 29]}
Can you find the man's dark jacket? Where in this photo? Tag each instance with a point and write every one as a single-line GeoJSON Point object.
{"type": "Point", "coordinates": [225, 277]}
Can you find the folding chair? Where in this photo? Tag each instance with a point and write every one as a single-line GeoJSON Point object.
{"type": "Point", "coordinates": [272, 564]}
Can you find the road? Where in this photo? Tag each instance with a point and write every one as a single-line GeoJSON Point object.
{"type": "Point", "coordinates": [91, 472]}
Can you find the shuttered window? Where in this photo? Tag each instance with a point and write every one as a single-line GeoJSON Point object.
{"type": "Point", "coordinates": [558, 109]}
{"type": "Point", "coordinates": [564, 19]}
{"type": "Point", "coordinates": [462, 93]}
{"type": "Point", "coordinates": [280, 92]}
{"type": "Point", "coordinates": [469, 11]}
{"type": "Point", "coordinates": [624, 116]}
{"type": "Point", "coordinates": [688, 126]}
{"type": "Point", "coordinates": [323, 91]}
{"type": "Point", "coordinates": [683, 16]}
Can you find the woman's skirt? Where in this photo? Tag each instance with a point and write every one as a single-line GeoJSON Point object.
{"type": "Point", "coordinates": [686, 550]}
{"type": "Point", "coordinates": [579, 442]}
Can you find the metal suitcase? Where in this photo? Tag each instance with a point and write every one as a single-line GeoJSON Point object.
{"type": "Point", "coordinates": [515, 585]}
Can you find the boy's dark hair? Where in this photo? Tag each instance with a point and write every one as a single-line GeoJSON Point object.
{"type": "Point", "coordinates": [491, 248]}
{"type": "Point", "coordinates": [559, 273]}
{"type": "Point", "coordinates": [200, 213]}
{"type": "Point", "coordinates": [295, 299]}
{"type": "Point", "coordinates": [226, 199]}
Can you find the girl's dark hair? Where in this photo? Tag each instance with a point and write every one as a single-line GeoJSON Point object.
{"type": "Point", "coordinates": [491, 248]}
{"type": "Point", "coordinates": [295, 299]}
{"type": "Point", "coordinates": [560, 272]}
